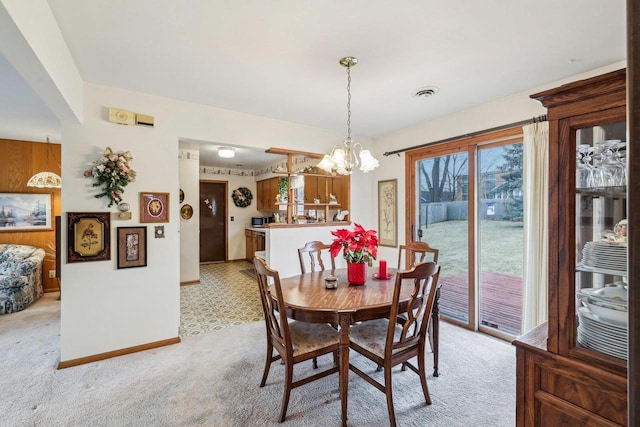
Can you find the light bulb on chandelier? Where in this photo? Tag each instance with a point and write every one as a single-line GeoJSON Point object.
{"type": "Point", "coordinates": [348, 155]}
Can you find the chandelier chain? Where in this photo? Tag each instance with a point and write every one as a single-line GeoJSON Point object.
{"type": "Point", "coordinates": [349, 102]}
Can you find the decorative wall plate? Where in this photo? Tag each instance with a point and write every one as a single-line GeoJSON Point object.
{"type": "Point", "coordinates": [186, 211]}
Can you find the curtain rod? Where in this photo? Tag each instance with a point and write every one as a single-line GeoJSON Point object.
{"type": "Point", "coordinates": [537, 119]}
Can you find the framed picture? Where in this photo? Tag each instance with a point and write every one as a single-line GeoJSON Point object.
{"type": "Point", "coordinates": [388, 212]}
{"type": "Point", "coordinates": [88, 237]}
{"type": "Point", "coordinates": [25, 211]}
{"type": "Point", "coordinates": [154, 207]}
{"type": "Point", "coordinates": [132, 247]}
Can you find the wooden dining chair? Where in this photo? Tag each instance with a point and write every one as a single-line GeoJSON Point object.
{"type": "Point", "coordinates": [314, 251]}
{"type": "Point", "coordinates": [293, 341]}
{"type": "Point", "coordinates": [390, 343]}
{"type": "Point", "coordinates": [415, 252]}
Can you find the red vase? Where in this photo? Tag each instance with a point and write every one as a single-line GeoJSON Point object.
{"type": "Point", "coordinates": [356, 273]}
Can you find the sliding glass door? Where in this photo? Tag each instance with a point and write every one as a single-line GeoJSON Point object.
{"type": "Point", "coordinates": [466, 200]}
{"type": "Point", "coordinates": [501, 238]}
{"type": "Point", "coordinates": [443, 222]}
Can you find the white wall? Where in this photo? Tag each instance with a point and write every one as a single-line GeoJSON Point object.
{"type": "Point", "coordinates": [282, 246]}
{"type": "Point", "coordinates": [497, 113]}
{"type": "Point", "coordinates": [188, 166]}
{"type": "Point", "coordinates": [103, 308]}
{"type": "Point", "coordinates": [106, 309]}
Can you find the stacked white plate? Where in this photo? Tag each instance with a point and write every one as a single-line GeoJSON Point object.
{"type": "Point", "coordinates": [605, 255]}
{"type": "Point", "coordinates": [604, 336]}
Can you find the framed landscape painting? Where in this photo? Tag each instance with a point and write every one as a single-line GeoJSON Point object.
{"type": "Point", "coordinates": [26, 211]}
{"type": "Point", "coordinates": [388, 212]}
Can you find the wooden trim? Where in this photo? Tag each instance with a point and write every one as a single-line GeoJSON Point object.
{"type": "Point", "coordinates": [115, 353]}
{"type": "Point", "coordinates": [463, 143]}
{"type": "Point", "coordinates": [286, 151]}
{"type": "Point", "coordinates": [309, 224]}
{"type": "Point", "coordinates": [633, 207]}
{"type": "Point", "coordinates": [583, 89]}
{"type": "Point", "coordinates": [189, 282]}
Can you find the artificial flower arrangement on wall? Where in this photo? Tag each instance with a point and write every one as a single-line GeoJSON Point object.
{"type": "Point", "coordinates": [113, 172]}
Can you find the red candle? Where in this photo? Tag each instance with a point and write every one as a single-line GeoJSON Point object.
{"type": "Point", "coordinates": [382, 272]}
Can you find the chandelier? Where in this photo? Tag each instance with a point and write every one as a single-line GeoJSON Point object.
{"type": "Point", "coordinates": [45, 179]}
{"type": "Point", "coordinates": [348, 155]}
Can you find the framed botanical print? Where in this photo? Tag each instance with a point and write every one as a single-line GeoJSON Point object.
{"type": "Point", "coordinates": [132, 247]}
{"type": "Point", "coordinates": [88, 236]}
{"type": "Point", "coordinates": [388, 212]}
{"type": "Point", "coordinates": [154, 207]}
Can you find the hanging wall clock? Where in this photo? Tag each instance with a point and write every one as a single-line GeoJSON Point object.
{"type": "Point", "coordinates": [242, 197]}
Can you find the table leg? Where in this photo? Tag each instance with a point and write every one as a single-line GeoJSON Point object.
{"type": "Point", "coordinates": [345, 323]}
{"type": "Point", "coordinates": [435, 324]}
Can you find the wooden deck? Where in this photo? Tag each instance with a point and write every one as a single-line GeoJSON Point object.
{"type": "Point", "coordinates": [500, 300]}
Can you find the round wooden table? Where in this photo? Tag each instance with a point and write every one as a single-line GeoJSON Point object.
{"type": "Point", "coordinates": [307, 299]}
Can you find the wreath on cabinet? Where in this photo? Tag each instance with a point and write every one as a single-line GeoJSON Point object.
{"type": "Point", "coordinates": [242, 197]}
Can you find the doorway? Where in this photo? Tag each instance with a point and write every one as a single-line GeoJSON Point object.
{"type": "Point", "coordinates": [213, 221]}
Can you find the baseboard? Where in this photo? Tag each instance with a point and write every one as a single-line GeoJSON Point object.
{"type": "Point", "coordinates": [116, 353]}
{"type": "Point", "coordinates": [189, 282]}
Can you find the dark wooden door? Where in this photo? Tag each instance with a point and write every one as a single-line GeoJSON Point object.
{"type": "Point", "coordinates": [213, 224]}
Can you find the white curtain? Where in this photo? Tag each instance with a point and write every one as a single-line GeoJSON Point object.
{"type": "Point", "coordinates": [536, 224]}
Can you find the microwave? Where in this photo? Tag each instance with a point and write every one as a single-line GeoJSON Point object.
{"type": "Point", "coordinates": [258, 221]}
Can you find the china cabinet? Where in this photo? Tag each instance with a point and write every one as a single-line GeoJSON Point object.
{"type": "Point", "coordinates": [572, 370]}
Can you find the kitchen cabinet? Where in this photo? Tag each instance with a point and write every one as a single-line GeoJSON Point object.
{"type": "Point", "coordinates": [315, 184]}
{"type": "Point", "coordinates": [572, 370]}
{"type": "Point", "coordinates": [319, 186]}
{"type": "Point", "coordinates": [254, 241]}
{"type": "Point", "coordinates": [267, 190]}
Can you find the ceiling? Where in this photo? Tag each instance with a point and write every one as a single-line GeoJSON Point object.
{"type": "Point", "coordinates": [279, 59]}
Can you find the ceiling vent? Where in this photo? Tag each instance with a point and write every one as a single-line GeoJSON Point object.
{"type": "Point", "coordinates": [426, 92]}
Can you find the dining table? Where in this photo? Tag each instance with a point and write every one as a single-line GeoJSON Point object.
{"type": "Point", "coordinates": [308, 300]}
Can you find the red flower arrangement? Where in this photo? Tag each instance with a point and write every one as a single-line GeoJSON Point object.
{"type": "Point", "coordinates": [358, 246]}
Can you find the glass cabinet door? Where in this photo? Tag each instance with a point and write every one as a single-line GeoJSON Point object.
{"type": "Point", "coordinates": [601, 240]}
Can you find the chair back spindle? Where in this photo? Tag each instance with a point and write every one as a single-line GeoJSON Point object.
{"type": "Point", "coordinates": [414, 253]}
{"type": "Point", "coordinates": [314, 252]}
{"type": "Point", "coordinates": [414, 326]}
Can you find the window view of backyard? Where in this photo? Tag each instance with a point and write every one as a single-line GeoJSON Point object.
{"type": "Point", "coordinates": [444, 223]}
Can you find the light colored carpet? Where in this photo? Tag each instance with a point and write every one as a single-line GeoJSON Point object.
{"type": "Point", "coordinates": [212, 380]}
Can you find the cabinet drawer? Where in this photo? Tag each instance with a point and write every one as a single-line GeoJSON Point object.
{"type": "Point", "coordinates": [574, 390]}
{"type": "Point", "coordinates": [552, 415]}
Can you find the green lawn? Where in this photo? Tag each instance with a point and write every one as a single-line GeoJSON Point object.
{"type": "Point", "coordinates": [501, 246]}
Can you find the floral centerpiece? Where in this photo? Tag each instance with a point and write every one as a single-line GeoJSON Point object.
{"type": "Point", "coordinates": [359, 247]}
{"type": "Point", "coordinates": [113, 171]}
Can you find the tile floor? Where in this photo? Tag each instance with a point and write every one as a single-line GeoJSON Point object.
{"type": "Point", "coordinates": [224, 297]}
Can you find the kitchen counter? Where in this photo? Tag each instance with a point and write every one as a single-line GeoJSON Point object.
{"type": "Point", "coordinates": [307, 224]}
{"type": "Point", "coordinates": [283, 240]}
{"type": "Point", "coordinates": [256, 229]}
